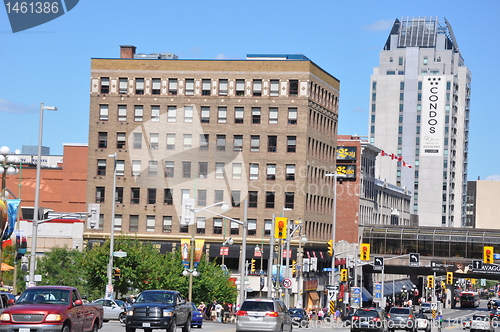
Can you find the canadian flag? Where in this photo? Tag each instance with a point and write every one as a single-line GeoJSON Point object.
{"type": "Point", "coordinates": [393, 156]}
{"type": "Point", "coordinates": [400, 158]}
{"type": "Point", "coordinates": [383, 153]}
{"type": "Point", "coordinates": [406, 165]}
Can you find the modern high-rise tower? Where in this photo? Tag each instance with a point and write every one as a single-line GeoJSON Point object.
{"type": "Point", "coordinates": [419, 117]}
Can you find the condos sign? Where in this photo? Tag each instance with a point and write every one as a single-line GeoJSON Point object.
{"type": "Point", "coordinates": [433, 116]}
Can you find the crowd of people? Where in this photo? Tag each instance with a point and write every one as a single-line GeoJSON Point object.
{"type": "Point", "coordinates": [217, 312]}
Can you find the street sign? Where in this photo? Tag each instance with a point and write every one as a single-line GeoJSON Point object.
{"type": "Point", "coordinates": [356, 290]}
{"type": "Point", "coordinates": [434, 306]}
{"type": "Point", "coordinates": [414, 260]}
{"type": "Point", "coordinates": [495, 256]}
{"type": "Point", "coordinates": [477, 264]}
{"type": "Point", "coordinates": [287, 283]}
{"type": "Point", "coordinates": [332, 287]}
{"type": "Point", "coordinates": [378, 263]}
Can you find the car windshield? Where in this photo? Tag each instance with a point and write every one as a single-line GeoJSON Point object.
{"type": "Point", "coordinates": [478, 317]}
{"type": "Point", "coordinates": [366, 313]}
{"type": "Point", "coordinates": [296, 311]}
{"type": "Point", "coordinates": [152, 296]}
{"type": "Point", "coordinates": [426, 305]}
{"type": "Point", "coordinates": [41, 296]}
{"type": "Point", "coordinates": [257, 306]}
{"type": "Point", "coordinates": [419, 315]}
{"type": "Point", "coordinates": [403, 311]}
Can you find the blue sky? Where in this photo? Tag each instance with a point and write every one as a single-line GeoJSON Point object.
{"type": "Point", "coordinates": [51, 63]}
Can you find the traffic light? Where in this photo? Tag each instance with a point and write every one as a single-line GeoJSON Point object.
{"type": "Point", "coordinates": [252, 269]}
{"type": "Point", "coordinates": [449, 278]}
{"type": "Point", "coordinates": [430, 281]}
{"type": "Point", "coordinates": [117, 273]}
{"type": "Point", "coordinates": [488, 255]}
{"type": "Point", "coordinates": [294, 267]}
{"type": "Point", "coordinates": [343, 275]}
{"type": "Point", "coordinates": [364, 252]}
{"type": "Point", "coordinates": [330, 247]}
{"type": "Point", "coordinates": [280, 228]}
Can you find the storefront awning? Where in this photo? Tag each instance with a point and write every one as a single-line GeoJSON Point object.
{"type": "Point", "coordinates": [314, 296]}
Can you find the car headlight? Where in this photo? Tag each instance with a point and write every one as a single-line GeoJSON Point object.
{"type": "Point", "coordinates": [53, 317]}
{"type": "Point", "coordinates": [167, 313]}
{"type": "Point", "coordinates": [5, 317]}
{"type": "Point", "coordinates": [130, 313]}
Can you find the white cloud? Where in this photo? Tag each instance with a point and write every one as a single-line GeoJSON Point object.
{"type": "Point", "coordinates": [7, 106]}
{"type": "Point", "coordinates": [358, 109]}
{"type": "Point", "coordinates": [380, 25]}
{"type": "Point", "coordinates": [495, 177]}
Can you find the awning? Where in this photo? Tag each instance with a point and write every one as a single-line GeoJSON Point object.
{"type": "Point", "coordinates": [314, 296]}
{"type": "Point", "coordinates": [394, 287]}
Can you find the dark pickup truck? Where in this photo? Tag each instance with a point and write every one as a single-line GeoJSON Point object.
{"type": "Point", "coordinates": [51, 309]}
{"type": "Point", "coordinates": [159, 309]}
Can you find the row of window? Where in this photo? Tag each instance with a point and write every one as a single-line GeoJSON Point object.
{"type": "Point", "coordinates": [273, 171]}
{"type": "Point", "coordinates": [201, 197]}
{"type": "Point", "coordinates": [203, 143]}
{"type": "Point", "coordinates": [188, 113]}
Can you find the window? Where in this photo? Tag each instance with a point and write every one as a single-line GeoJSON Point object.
{"type": "Point", "coordinates": [238, 143]}
{"type": "Point", "coordinates": [134, 195]}
{"type": "Point", "coordinates": [221, 142]}
{"type": "Point", "coordinates": [134, 223]}
{"type": "Point", "coordinates": [255, 115]}
{"type": "Point", "coordinates": [426, 61]}
{"type": "Point", "coordinates": [204, 142]}
{"type": "Point", "coordinates": [187, 142]}
{"type": "Point", "coordinates": [99, 194]}
{"type": "Point", "coordinates": [169, 169]}
{"type": "Point", "coordinates": [167, 196]}
{"type": "Point", "coordinates": [122, 113]}
{"type": "Point", "coordinates": [235, 198]}
{"type": "Point", "coordinates": [222, 115]}
{"type": "Point", "coordinates": [206, 86]}
{"type": "Point", "coordinates": [217, 225]}
{"type": "Point", "coordinates": [254, 171]}
{"type": "Point", "coordinates": [155, 113]}
{"type": "Point", "coordinates": [118, 222]}
{"type": "Point", "coordinates": [189, 91]}
{"type": "Point", "coordinates": [188, 114]}
{"type": "Point", "coordinates": [138, 113]}
{"type": "Point", "coordinates": [202, 169]}
{"type": "Point", "coordinates": [400, 61]}
{"type": "Point", "coordinates": [267, 227]}
{"type": "Point", "coordinates": [291, 143]}
{"type": "Point", "coordinates": [272, 141]}
{"type": "Point", "coordinates": [186, 169]}
{"type": "Point", "coordinates": [154, 139]}
{"type": "Point", "coordinates": [136, 167]}
{"type": "Point", "coordinates": [223, 87]}
{"type": "Point", "coordinates": [252, 226]}
{"type": "Point", "coordinates": [271, 172]}
{"type": "Point", "coordinates": [120, 140]}
{"type": "Point", "coordinates": [170, 141]}
{"type": "Point", "coordinates": [201, 197]}
{"type": "Point", "coordinates": [235, 228]}
{"type": "Point", "coordinates": [167, 224]}
{"type": "Point", "coordinates": [218, 196]}
{"type": "Point", "coordinates": [122, 89]}
{"type": "Point", "coordinates": [139, 86]}
{"type": "Point", "coordinates": [102, 140]}
{"type": "Point", "coordinates": [200, 225]}
{"type": "Point", "coordinates": [292, 115]}
{"type": "Point", "coordinates": [119, 195]}
{"type": "Point", "coordinates": [273, 115]}
{"type": "Point", "coordinates": [240, 87]}
{"type": "Point", "coordinates": [137, 140]}
{"type": "Point", "coordinates": [150, 223]}
{"type": "Point", "coordinates": [253, 199]}
{"type": "Point", "coordinates": [254, 143]}
{"type": "Point", "coordinates": [219, 170]}
{"type": "Point", "coordinates": [205, 114]}
{"type": "Point", "coordinates": [103, 112]}
{"type": "Point", "coordinates": [101, 166]}
{"type": "Point", "coordinates": [269, 199]}
{"type": "Point", "coordinates": [290, 172]}
{"type": "Point", "coordinates": [236, 171]}
{"type": "Point", "coordinates": [156, 86]}
{"type": "Point", "coordinates": [172, 86]}
{"type": "Point", "coordinates": [238, 114]}
{"type": "Point", "coordinates": [293, 88]}
{"type": "Point", "coordinates": [274, 88]}
{"type": "Point", "coordinates": [257, 87]}
{"type": "Point", "coordinates": [151, 195]}
{"type": "Point", "coordinates": [104, 84]}
{"type": "Point", "coordinates": [120, 167]}
{"type": "Point", "coordinates": [289, 200]}
{"type": "Point", "coordinates": [172, 114]}
{"type": "Point", "coordinates": [153, 168]}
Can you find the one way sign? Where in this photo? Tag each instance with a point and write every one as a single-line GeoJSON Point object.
{"type": "Point", "coordinates": [414, 260]}
{"type": "Point", "coordinates": [378, 263]}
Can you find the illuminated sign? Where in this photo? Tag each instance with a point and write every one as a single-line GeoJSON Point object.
{"type": "Point", "coordinates": [347, 152]}
{"type": "Point", "coordinates": [348, 170]}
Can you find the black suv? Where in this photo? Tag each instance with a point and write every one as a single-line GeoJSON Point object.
{"type": "Point", "coordinates": [369, 319]}
{"type": "Point", "coordinates": [299, 317]}
{"type": "Point", "coordinates": [401, 318]}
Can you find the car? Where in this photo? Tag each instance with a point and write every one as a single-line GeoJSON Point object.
{"type": "Point", "coordinates": [425, 308]}
{"type": "Point", "coordinates": [113, 309]}
{"type": "Point", "coordinates": [197, 317]}
{"type": "Point", "coordinates": [493, 304]}
{"type": "Point", "coordinates": [369, 319]}
{"type": "Point", "coordinates": [495, 315]}
{"type": "Point", "coordinates": [401, 318]}
{"type": "Point", "coordinates": [423, 322]}
{"type": "Point", "coordinates": [347, 319]}
{"type": "Point", "coordinates": [466, 323]}
{"type": "Point", "coordinates": [266, 315]}
{"type": "Point", "coordinates": [481, 322]}
{"type": "Point", "coordinates": [299, 317]}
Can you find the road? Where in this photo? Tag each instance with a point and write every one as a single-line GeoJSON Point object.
{"type": "Point", "coordinates": [452, 323]}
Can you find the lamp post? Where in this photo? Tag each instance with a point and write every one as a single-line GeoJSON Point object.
{"type": "Point", "coordinates": [34, 234]}
{"type": "Point", "coordinates": [109, 290]}
{"type": "Point", "coordinates": [290, 231]}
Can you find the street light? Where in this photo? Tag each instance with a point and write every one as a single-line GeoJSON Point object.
{"type": "Point", "coordinates": [34, 234]}
{"type": "Point", "coordinates": [109, 290]}
{"type": "Point", "coordinates": [303, 239]}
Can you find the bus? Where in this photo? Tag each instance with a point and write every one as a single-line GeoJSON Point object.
{"type": "Point", "coordinates": [469, 300]}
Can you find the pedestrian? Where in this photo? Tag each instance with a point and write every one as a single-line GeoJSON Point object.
{"type": "Point", "coordinates": [321, 314]}
{"type": "Point", "coordinates": [201, 307]}
{"type": "Point", "coordinates": [213, 312]}
{"type": "Point", "coordinates": [227, 312]}
{"type": "Point", "coordinates": [218, 312]}
{"type": "Point", "coordinates": [337, 314]}
{"type": "Point", "coordinates": [131, 299]}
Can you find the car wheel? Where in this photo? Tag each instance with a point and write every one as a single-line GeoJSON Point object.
{"type": "Point", "coordinates": [173, 326]}
{"type": "Point", "coordinates": [65, 328]}
{"type": "Point", "coordinates": [187, 326]}
{"type": "Point", "coordinates": [148, 330]}
{"type": "Point", "coordinates": [122, 317]}
{"type": "Point", "coordinates": [130, 329]}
